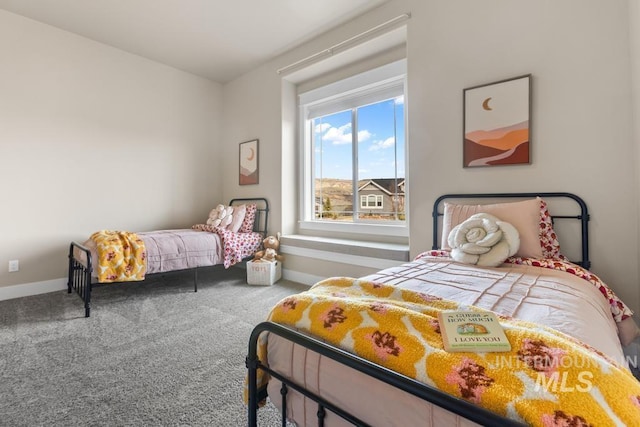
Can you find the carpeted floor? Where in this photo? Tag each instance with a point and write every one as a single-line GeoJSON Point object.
{"type": "Point", "coordinates": [152, 353]}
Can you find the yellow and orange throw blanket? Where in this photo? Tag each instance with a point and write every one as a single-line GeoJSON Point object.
{"type": "Point", "coordinates": [121, 256]}
{"type": "Point", "coordinates": [547, 379]}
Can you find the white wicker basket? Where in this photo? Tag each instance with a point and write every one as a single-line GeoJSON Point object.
{"type": "Point", "coordinates": [263, 272]}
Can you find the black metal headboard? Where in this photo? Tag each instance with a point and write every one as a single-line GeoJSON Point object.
{"type": "Point", "coordinates": [583, 216]}
{"type": "Point", "coordinates": [262, 212]}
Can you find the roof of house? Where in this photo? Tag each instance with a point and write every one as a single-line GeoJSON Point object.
{"type": "Point", "coordinates": [387, 185]}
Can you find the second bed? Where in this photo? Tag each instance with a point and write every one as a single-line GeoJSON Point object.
{"type": "Point", "coordinates": [345, 362]}
{"type": "Point", "coordinates": [164, 251]}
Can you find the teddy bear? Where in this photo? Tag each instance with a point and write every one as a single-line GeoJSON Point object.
{"type": "Point", "coordinates": [220, 216]}
{"type": "Point", "coordinates": [271, 245]}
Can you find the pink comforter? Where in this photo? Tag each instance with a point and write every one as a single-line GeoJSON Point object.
{"type": "Point", "coordinates": [551, 297]}
{"type": "Point", "coordinates": [554, 298]}
{"type": "Point", "coordinates": [172, 250]}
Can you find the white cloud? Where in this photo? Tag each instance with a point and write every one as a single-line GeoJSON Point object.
{"type": "Point", "coordinates": [321, 127]}
{"type": "Point", "coordinates": [341, 135]}
{"type": "Point", "coordinates": [399, 100]}
{"type": "Point", "coordinates": [381, 145]}
{"type": "Point", "coordinates": [364, 135]}
{"type": "Point", "coordinates": [337, 136]}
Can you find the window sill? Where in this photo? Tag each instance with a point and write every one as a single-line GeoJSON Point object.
{"type": "Point", "coordinates": [367, 254]}
{"type": "Point", "coordinates": [356, 228]}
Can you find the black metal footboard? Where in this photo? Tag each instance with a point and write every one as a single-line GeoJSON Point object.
{"type": "Point", "coordinates": [407, 384]}
{"type": "Point", "coordinates": [79, 278]}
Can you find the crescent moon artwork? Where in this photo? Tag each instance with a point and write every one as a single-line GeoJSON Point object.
{"type": "Point", "coordinates": [496, 125]}
{"type": "Point", "coordinates": [248, 167]}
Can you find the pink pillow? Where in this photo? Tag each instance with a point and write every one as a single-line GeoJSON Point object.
{"type": "Point", "coordinates": [548, 238]}
{"type": "Point", "coordinates": [239, 213]}
{"type": "Point", "coordinates": [249, 219]}
{"type": "Point", "coordinates": [525, 216]}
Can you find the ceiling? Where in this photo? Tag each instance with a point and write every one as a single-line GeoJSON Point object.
{"type": "Point", "coordinates": [216, 39]}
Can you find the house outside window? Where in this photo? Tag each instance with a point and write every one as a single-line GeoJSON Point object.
{"type": "Point", "coordinates": [353, 145]}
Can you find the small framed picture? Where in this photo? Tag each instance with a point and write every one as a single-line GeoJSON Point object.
{"type": "Point", "coordinates": [497, 123]}
{"type": "Point", "coordinates": [249, 162]}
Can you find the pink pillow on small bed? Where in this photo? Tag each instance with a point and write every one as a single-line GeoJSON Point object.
{"type": "Point", "coordinates": [249, 219]}
{"type": "Point", "coordinates": [525, 216]}
{"type": "Point", "coordinates": [239, 213]}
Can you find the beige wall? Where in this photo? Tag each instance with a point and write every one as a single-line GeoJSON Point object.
{"type": "Point", "coordinates": [245, 117]}
{"type": "Point", "coordinates": [634, 49]}
{"type": "Point", "coordinates": [165, 144]}
{"type": "Point", "coordinates": [582, 127]}
{"type": "Point", "coordinates": [92, 138]}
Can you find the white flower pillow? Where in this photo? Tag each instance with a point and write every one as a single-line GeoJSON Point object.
{"type": "Point", "coordinates": [525, 216]}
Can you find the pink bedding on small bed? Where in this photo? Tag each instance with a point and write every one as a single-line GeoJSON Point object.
{"type": "Point", "coordinates": [171, 250]}
{"type": "Point", "coordinates": [550, 297]}
{"type": "Point", "coordinates": [181, 249]}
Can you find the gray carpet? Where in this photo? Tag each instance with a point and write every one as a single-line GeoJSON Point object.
{"type": "Point", "coordinates": [152, 353]}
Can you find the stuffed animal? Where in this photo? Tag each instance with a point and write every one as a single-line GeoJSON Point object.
{"type": "Point", "coordinates": [220, 216]}
{"type": "Point", "coordinates": [271, 245]}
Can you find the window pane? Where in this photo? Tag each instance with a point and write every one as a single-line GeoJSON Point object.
{"type": "Point", "coordinates": [333, 166]}
{"type": "Point", "coordinates": [381, 161]}
{"type": "Point", "coordinates": [354, 151]}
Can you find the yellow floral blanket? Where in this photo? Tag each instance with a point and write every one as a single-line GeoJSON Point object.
{"type": "Point", "coordinates": [547, 379]}
{"type": "Point", "coordinates": [121, 256]}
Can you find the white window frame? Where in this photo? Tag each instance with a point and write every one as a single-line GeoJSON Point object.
{"type": "Point", "coordinates": [354, 91]}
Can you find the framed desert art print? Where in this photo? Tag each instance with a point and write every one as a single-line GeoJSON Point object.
{"type": "Point", "coordinates": [497, 123]}
{"type": "Point", "coordinates": [249, 162]}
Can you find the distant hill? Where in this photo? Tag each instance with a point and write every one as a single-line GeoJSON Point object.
{"type": "Point", "coordinates": [339, 191]}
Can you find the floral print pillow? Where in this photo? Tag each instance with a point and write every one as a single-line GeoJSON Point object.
{"type": "Point", "coordinates": [548, 238]}
{"type": "Point", "coordinates": [249, 219]}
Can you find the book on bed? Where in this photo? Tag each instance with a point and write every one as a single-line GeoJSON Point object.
{"type": "Point", "coordinates": [472, 331]}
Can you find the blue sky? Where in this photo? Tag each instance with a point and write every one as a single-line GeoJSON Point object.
{"type": "Point", "coordinates": [376, 154]}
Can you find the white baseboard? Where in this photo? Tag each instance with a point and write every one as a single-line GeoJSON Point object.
{"type": "Point", "coordinates": [34, 288]}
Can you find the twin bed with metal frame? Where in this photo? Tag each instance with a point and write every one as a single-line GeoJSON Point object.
{"type": "Point", "coordinates": [81, 276]}
{"type": "Point", "coordinates": [316, 382]}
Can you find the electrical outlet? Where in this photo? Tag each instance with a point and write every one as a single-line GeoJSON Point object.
{"type": "Point", "coordinates": [14, 265]}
